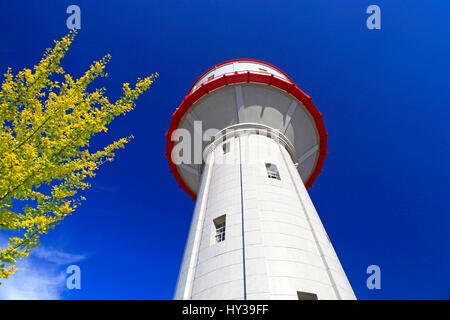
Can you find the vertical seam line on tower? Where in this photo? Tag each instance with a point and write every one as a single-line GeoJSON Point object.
{"type": "Point", "coordinates": [242, 216]}
{"type": "Point", "coordinates": [333, 283]}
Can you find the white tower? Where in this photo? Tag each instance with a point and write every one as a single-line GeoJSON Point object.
{"type": "Point", "coordinates": [255, 233]}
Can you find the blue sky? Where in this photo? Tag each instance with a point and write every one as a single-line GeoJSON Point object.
{"type": "Point", "coordinates": [384, 195]}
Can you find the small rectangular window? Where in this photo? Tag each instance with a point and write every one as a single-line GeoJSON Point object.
{"type": "Point", "coordinates": [272, 171]}
{"type": "Point", "coordinates": [262, 70]}
{"type": "Point", "coordinates": [219, 225]}
{"type": "Point", "coordinates": [306, 296]}
{"type": "Point", "coordinates": [226, 147]}
{"type": "Point", "coordinates": [210, 77]}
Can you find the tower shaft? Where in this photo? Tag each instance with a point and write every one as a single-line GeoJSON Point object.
{"type": "Point", "coordinates": [255, 233]}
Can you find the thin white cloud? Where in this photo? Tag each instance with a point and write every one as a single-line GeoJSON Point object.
{"type": "Point", "coordinates": [31, 283]}
{"type": "Point", "coordinates": [57, 257]}
{"type": "Point", "coordinates": [41, 276]}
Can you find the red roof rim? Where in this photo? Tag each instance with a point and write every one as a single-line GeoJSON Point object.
{"type": "Point", "coordinates": [239, 60]}
{"type": "Point", "coordinates": [242, 77]}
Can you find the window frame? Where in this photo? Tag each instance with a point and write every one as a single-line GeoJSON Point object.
{"type": "Point", "coordinates": [226, 147]}
{"type": "Point", "coordinates": [272, 171]}
{"type": "Point", "coordinates": [308, 295]}
{"type": "Point", "coordinates": [219, 229]}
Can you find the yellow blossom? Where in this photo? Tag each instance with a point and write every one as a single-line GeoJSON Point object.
{"type": "Point", "coordinates": [45, 129]}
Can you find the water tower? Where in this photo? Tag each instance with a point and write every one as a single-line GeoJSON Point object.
{"type": "Point", "coordinates": [246, 143]}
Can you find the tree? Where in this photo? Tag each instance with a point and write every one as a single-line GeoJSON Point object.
{"type": "Point", "coordinates": [45, 160]}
